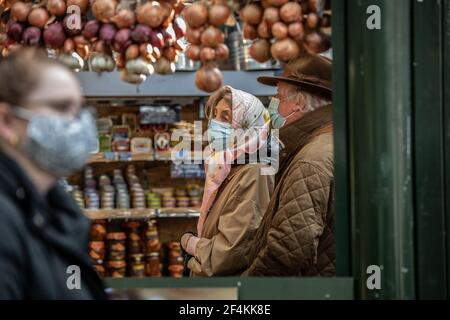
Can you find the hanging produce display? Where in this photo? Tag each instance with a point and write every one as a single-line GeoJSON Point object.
{"type": "Point", "coordinates": [141, 37]}
{"type": "Point", "coordinates": [204, 19]}
{"type": "Point", "coordinates": [281, 28]}
{"type": "Point", "coordinates": [137, 37]}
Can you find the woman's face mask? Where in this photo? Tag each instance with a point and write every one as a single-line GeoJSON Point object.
{"type": "Point", "coordinates": [220, 134]}
{"type": "Point", "coordinates": [58, 144]}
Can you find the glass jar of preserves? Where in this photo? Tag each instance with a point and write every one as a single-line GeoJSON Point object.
{"type": "Point", "coordinates": [100, 269]}
{"type": "Point", "coordinates": [97, 250]}
{"type": "Point", "coordinates": [134, 243]}
{"type": "Point", "coordinates": [137, 266]}
{"type": "Point", "coordinates": [98, 230]}
{"type": "Point", "coordinates": [153, 265]}
{"type": "Point", "coordinates": [116, 245]}
{"type": "Point", "coordinates": [152, 243]}
{"type": "Point", "coordinates": [116, 269]}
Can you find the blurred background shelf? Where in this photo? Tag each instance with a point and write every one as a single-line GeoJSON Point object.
{"type": "Point", "coordinates": [142, 213]}
{"type": "Point", "coordinates": [180, 84]}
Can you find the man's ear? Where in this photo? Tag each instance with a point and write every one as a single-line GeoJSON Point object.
{"type": "Point", "coordinates": [7, 132]}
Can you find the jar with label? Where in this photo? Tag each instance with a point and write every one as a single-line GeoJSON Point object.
{"type": "Point", "coordinates": [134, 244]}
{"type": "Point", "coordinates": [153, 265]}
{"type": "Point", "coordinates": [176, 271]}
{"type": "Point", "coordinates": [175, 253]}
{"type": "Point", "coordinates": [152, 243]}
{"type": "Point", "coordinates": [100, 269]}
{"type": "Point", "coordinates": [98, 230]}
{"type": "Point", "coordinates": [116, 245]}
{"type": "Point", "coordinates": [137, 267]}
{"type": "Point", "coordinates": [97, 250]}
{"type": "Point", "coordinates": [116, 269]}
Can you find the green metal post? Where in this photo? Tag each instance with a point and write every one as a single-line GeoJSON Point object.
{"type": "Point", "coordinates": [379, 107]}
{"type": "Point", "coordinates": [342, 227]}
{"type": "Point", "coordinates": [429, 151]}
{"type": "Point", "coordinates": [446, 96]}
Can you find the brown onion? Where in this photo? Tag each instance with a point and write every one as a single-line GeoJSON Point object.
{"type": "Point", "coordinates": [280, 30]}
{"type": "Point", "coordinates": [296, 31]}
{"type": "Point", "coordinates": [312, 21]}
{"type": "Point", "coordinates": [81, 4]}
{"type": "Point", "coordinates": [56, 7]}
{"type": "Point", "coordinates": [193, 52]}
{"type": "Point", "coordinates": [170, 54]}
{"type": "Point", "coordinates": [211, 37]}
{"type": "Point", "coordinates": [124, 19]}
{"type": "Point", "coordinates": [291, 12]}
{"type": "Point", "coordinates": [208, 78]}
{"type": "Point", "coordinates": [80, 41]}
{"type": "Point", "coordinates": [249, 32]}
{"type": "Point", "coordinates": [196, 15]}
{"type": "Point", "coordinates": [264, 31]}
{"type": "Point", "coordinates": [285, 50]}
{"type": "Point", "coordinates": [168, 13]}
{"type": "Point", "coordinates": [218, 14]}
{"type": "Point", "coordinates": [271, 15]}
{"type": "Point", "coordinates": [164, 66]}
{"type": "Point", "coordinates": [260, 50]}
{"type": "Point", "coordinates": [317, 42]}
{"type": "Point", "coordinates": [69, 46]}
{"type": "Point", "coordinates": [38, 17]}
{"type": "Point", "coordinates": [132, 52]}
{"type": "Point", "coordinates": [277, 3]}
{"type": "Point", "coordinates": [194, 35]}
{"type": "Point", "coordinates": [20, 11]}
{"type": "Point", "coordinates": [222, 52]}
{"type": "Point", "coordinates": [251, 13]}
{"type": "Point", "coordinates": [54, 35]}
{"type": "Point", "coordinates": [313, 5]}
{"type": "Point", "coordinates": [179, 7]}
{"type": "Point", "coordinates": [104, 10]}
{"type": "Point", "coordinates": [150, 14]}
{"type": "Point", "coordinates": [207, 54]}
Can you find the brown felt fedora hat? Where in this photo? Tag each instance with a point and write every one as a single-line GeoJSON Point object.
{"type": "Point", "coordinates": [310, 72]}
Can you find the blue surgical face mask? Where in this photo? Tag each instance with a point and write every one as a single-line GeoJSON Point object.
{"type": "Point", "coordinates": [278, 121]}
{"type": "Point", "coordinates": [220, 134]}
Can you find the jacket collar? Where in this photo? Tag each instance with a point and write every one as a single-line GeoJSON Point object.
{"type": "Point", "coordinates": [299, 133]}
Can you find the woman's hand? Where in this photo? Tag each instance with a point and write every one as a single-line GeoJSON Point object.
{"type": "Point", "coordinates": [189, 243]}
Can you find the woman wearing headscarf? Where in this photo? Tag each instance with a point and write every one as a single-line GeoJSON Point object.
{"type": "Point", "coordinates": [237, 185]}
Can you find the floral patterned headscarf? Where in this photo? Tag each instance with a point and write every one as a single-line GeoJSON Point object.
{"type": "Point", "coordinates": [251, 123]}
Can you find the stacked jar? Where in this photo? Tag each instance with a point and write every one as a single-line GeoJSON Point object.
{"type": "Point", "coordinates": [97, 246]}
{"type": "Point", "coordinates": [92, 198]}
{"type": "Point", "coordinates": [152, 248]}
{"type": "Point", "coordinates": [176, 260]}
{"type": "Point", "coordinates": [135, 250]}
{"type": "Point", "coordinates": [116, 252]}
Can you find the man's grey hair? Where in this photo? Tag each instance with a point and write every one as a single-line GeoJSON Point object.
{"type": "Point", "coordinates": [312, 101]}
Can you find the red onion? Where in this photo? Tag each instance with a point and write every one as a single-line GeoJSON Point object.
{"type": "Point", "coordinates": [54, 35]}
{"type": "Point", "coordinates": [91, 29]}
{"type": "Point", "coordinates": [107, 32]}
{"type": "Point", "coordinates": [122, 40]}
{"type": "Point", "coordinates": [32, 36]}
{"type": "Point", "coordinates": [141, 33]}
{"type": "Point", "coordinates": [15, 31]}
{"type": "Point", "coordinates": [157, 39]}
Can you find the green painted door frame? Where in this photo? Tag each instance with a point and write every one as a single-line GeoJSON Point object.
{"type": "Point", "coordinates": [392, 146]}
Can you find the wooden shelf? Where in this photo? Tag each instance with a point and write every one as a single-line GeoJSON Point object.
{"type": "Point", "coordinates": [142, 213]}
{"type": "Point", "coordinates": [100, 157]}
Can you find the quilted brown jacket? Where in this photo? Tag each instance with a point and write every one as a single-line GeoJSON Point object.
{"type": "Point", "coordinates": [296, 235]}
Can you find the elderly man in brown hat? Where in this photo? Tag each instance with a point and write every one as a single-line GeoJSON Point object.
{"type": "Point", "coordinates": [296, 235]}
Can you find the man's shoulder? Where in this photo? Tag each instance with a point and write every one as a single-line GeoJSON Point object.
{"type": "Point", "coordinates": [317, 153]}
